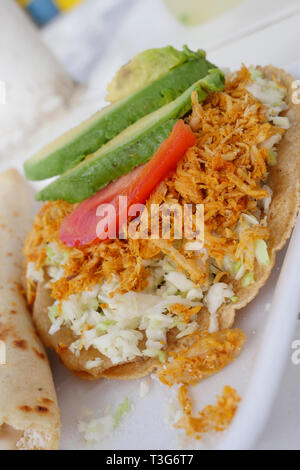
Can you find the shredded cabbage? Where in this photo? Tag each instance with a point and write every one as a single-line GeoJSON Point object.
{"type": "Point", "coordinates": [255, 74]}
{"type": "Point", "coordinates": [53, 312]}
{"type": "Point", "coordinates": [215, 297]}
{"type": "Point", "coordinates": [249, 220]}
{"type": "Point", "coordinates": [93, 363]}
{"type": "Point", "coordinates": [162, 356]}
{"type": "Point", "coordinates": [272, 141]}
{"type": "Point", "coordinates": [261, 252]}
{"type": "Point", "coordinates": [248, 279]}
{"type": "Point", "coordinates": [281, 121]}
{"type": "Point", "coordinates": [56, 258]}
{"type": "Point", "coordinates": [273, 96]}
{"type": "Point", "coordinates": [117, 328]}
{"type": "Point", "coordinates": [33, 273]}
{"type": "Point", "coordinates": [180, 281]}
{"type": "Point", "coordinates": [193, 246]}
{"type": "Point", "coordinates": [272, 157]}
{"type": "Point", "coordinates": [268, 92]}
{"type": "Point", "coordinates": [123, 408]}
{"type": "Point", "coordinates": [240, 271]}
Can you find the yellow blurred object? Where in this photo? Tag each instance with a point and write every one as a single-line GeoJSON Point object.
{"type": "Point", "coordinates": [195, 12]}
{"type": "Point", "coordinates": [23, 3]}
{"type": "Point", "coordinates": [66, 4]}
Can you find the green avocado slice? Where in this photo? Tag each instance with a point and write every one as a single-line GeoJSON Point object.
{"type": "Point", "coordinates": [73, 146]}
{"type": "Point", "coordinates": [144, 68]}
{"type": "Point", "coordinates": [131, 148]}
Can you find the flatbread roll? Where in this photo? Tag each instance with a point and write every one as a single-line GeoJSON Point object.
{"type": "Point", "coordinates": [29, 413]}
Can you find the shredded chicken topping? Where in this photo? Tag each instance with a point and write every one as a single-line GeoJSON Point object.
{"type": "Point", "coordinates": [207, 355]}
{"type": "Point", "coordinates": [212, 418]}
{"type": "Point", "coordinates": [87, 265]}
{"type": "Point", "coordinates": [226, 167]}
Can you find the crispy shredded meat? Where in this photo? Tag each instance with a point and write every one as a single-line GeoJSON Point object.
{"type": "Point", "coordinates": [207, 355]}
{"type": "Point", "coordinates": [212, 418]}
{"type": "Point", "coordinates": [87, 265]}
{"type": "Point", "coordinates": [226, 167]}
{"type": "Point", "coordinates": [224, 171]}
{"type": "Point", "coordinates": [184, 312]}
{"type": "Point", "coordinates": [184, 399]}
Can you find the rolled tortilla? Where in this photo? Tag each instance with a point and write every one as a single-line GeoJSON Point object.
{"type": "Point", "coordinates": [29, 414]}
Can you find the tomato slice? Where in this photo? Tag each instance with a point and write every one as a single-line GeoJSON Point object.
{"type": "Point", "coordinates": [80, 227]}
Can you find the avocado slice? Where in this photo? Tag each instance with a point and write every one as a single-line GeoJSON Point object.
{"type": "Point", "coordinates": [143, 69]}
{"type": "Point", "coordinates": [67, 150]}
{"type": "Point", "coordinates": [131, 148]}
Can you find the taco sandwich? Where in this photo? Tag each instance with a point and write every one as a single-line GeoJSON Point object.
{"type": "Point", "coordinates": [121, 308]}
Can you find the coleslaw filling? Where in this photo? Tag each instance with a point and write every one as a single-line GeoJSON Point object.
{"type": "Point", "coordinates": [116, 324]}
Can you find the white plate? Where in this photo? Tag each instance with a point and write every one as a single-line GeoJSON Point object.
{"type": "Point", "coordinates": [255, 375]}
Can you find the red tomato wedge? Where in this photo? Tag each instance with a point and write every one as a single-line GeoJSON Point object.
{"type": "Point", "coordinates": [80, 227]}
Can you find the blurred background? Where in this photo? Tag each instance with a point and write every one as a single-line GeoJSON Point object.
{"type": "Point", "coordinates": [58, 55]}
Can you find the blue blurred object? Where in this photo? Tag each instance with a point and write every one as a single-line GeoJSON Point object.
{"type": "Point", "coordinates": [42, 11]}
